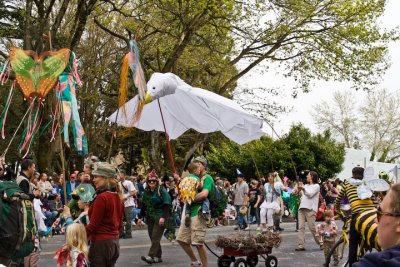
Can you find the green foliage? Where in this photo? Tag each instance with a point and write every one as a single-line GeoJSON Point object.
{"type": "Point", "coordinates": [11, 15]}
{"type": "Point", "coordinates": [202, 42]}
{"type": "Point", "coordinates": [296, 151]}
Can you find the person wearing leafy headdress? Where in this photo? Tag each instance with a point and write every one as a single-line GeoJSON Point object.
{"type": "Point", "coordinates": [84, 196]}
{"type": "Point", "coordinates": [87, 178]}
{"type": "Point", "coordinates": [156, 205]}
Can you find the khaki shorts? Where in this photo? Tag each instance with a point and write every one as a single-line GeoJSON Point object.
{"type": "Point", "coordinates": [195, 234]}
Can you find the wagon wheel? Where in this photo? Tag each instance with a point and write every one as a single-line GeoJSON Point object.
{"type": "Point", "coordinates": [240, 263]}
{"type": "Point", "coordinates": [225, 261]}
{"type": "Point", "coordinates": [271, 261]}
{"type": "Point", "coordinates": [252, 261]}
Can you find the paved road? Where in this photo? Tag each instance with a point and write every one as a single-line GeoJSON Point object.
{"type": "Point", "coordinates": [132, 249]}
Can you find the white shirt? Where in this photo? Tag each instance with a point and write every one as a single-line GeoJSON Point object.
{"type": "Point", "coordinates": [310, 197]}
{"type": "Point", "coordinates": [273, 194]}
{"type": "Point", "coordinates": [127, 189]}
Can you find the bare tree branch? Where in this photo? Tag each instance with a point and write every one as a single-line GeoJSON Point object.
{"type": "Point", "coordinates": [101, 26]}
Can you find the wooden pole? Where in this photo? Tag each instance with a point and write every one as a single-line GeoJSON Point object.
{"type": "Point", "coordinates": [167, 137]}
{"type": "Point", "coordinates": [112, 137]}
{"type": "Point", "coordinates": [63, 166]}
{"type": "Point", "coordinates": [61, 143]}
{"type": "Point", "coordinates": [255, 165]}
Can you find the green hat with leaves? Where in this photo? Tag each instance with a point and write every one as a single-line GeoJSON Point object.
{"type": "Point", "coordinates": [85, 192]}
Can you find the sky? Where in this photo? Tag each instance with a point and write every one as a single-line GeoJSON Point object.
{"type": "Point", "coordinates": [322, 90]}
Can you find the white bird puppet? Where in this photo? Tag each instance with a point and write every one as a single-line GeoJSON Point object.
{"type": "Point", "coordinates": [368, 184]}
{"type": "Point", "coordinates": [185, 107]}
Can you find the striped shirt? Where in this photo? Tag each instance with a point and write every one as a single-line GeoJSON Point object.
{"type": "Point", "coordinates": [357, 205]}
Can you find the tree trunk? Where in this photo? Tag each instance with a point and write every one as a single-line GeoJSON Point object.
{"type": "Point", "coordinates": [193, 149]}
{"type": "Point", "coordinates": [155, 158]}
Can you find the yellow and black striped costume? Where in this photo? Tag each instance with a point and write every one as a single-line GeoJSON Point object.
{"type": "Point", "coordinates": [365, 220]}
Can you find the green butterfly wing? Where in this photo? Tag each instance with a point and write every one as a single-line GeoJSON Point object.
{"type": "Point", "coordinates": [23, 64]}
{"type": "Point", "coordinates": [55, 63]}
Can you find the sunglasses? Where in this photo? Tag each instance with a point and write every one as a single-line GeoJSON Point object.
{"type": "Point", "coordinates": [151, 181]}
{"type": "Point", "coordinates": [380, 213]}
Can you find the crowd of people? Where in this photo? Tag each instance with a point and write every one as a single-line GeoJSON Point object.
{"type": "Point", "coordinates": [101, 204]}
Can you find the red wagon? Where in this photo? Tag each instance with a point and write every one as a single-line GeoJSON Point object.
{"type": "Point", "coordinates": [251, 259]}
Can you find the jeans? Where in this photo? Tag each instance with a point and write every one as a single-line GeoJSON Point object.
{"type": "Point", "coordinates": [50, 217]}
{"type": "Point", "coordinates": [241, 220]}
{"type": "Point", "coordinates": [127, 230]}
{"type": "Point", "coordinates": [205, 207]}
{"type": "Point", "coordinates": [254, 214]}
{"type": "Point", "coordinates": [135, 214]}
{"type": "Point", "coordinates": [178, 215]}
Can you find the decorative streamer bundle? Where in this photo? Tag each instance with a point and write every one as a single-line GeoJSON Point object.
{"type": "Point", "coordinates": [36, 76]}
{"type": "Point", "coordinates": [132, 61]}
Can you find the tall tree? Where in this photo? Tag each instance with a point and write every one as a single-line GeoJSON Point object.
{"type": "Point", "coordinates": [298, 150]}
{"type": "Point", "coordinates": [338, 116]}
{"type": "Point", "coordinates": [374, 122]}
{"type": "Point", "coordinates": [212, 44]}
{"type": "Point", "coordinates": [209, 43]}
{"type": "Point", "coordinates": [43, 25]}
{"type": "Point", "coordinates": [380, 125]}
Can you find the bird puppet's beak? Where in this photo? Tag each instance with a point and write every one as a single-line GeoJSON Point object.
{"type": "Point", "coordinates": [148, 98]}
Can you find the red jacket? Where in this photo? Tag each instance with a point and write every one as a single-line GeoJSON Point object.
{"type": "Point", "coordinates": [105, 215]}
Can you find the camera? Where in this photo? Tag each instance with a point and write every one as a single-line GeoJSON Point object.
{"type": "Point", "coordinates": [303, 175]}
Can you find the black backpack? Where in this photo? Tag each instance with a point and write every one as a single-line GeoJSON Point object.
{"type": "Point", "coordinates": [17, 222]}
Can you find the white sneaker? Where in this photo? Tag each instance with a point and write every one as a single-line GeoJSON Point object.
{"type": "Point", "coordinates": [195, 264]}
{"type": "Point", "coordinates": [157, 260]}
{"type": "Point", "coordinates": [247, 228]}
{"type": "Point", "coordinates": [133, 223]}
{"type": "Point", "coordinates": [258, 228]}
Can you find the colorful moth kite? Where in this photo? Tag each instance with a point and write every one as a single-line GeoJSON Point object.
{"type": "Point", "coordinates": [132, 61]}
{"type": "Point", "coordinates": [68, 83]}
{"type": "Point", "coordinates": [36, 76]}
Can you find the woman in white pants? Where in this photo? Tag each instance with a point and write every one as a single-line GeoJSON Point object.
{"type": "Point", "coordinates": [271, 202]}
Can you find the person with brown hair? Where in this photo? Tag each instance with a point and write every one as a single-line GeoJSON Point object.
{"type": "Point", "coordinates": [308, 209]}
{"type": "Point", "coordinates": [105, 214]}
{"type": "Point", "coordinates": [388, 219]}
{"type": "Point", "coordinates": [327, 232]}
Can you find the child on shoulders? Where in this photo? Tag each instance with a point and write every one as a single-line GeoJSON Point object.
{"type": "Point", "coordinates": [188, 187]}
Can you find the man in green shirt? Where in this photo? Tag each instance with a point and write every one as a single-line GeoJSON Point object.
{"type": "Point", "coordinates": [195, 234]}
